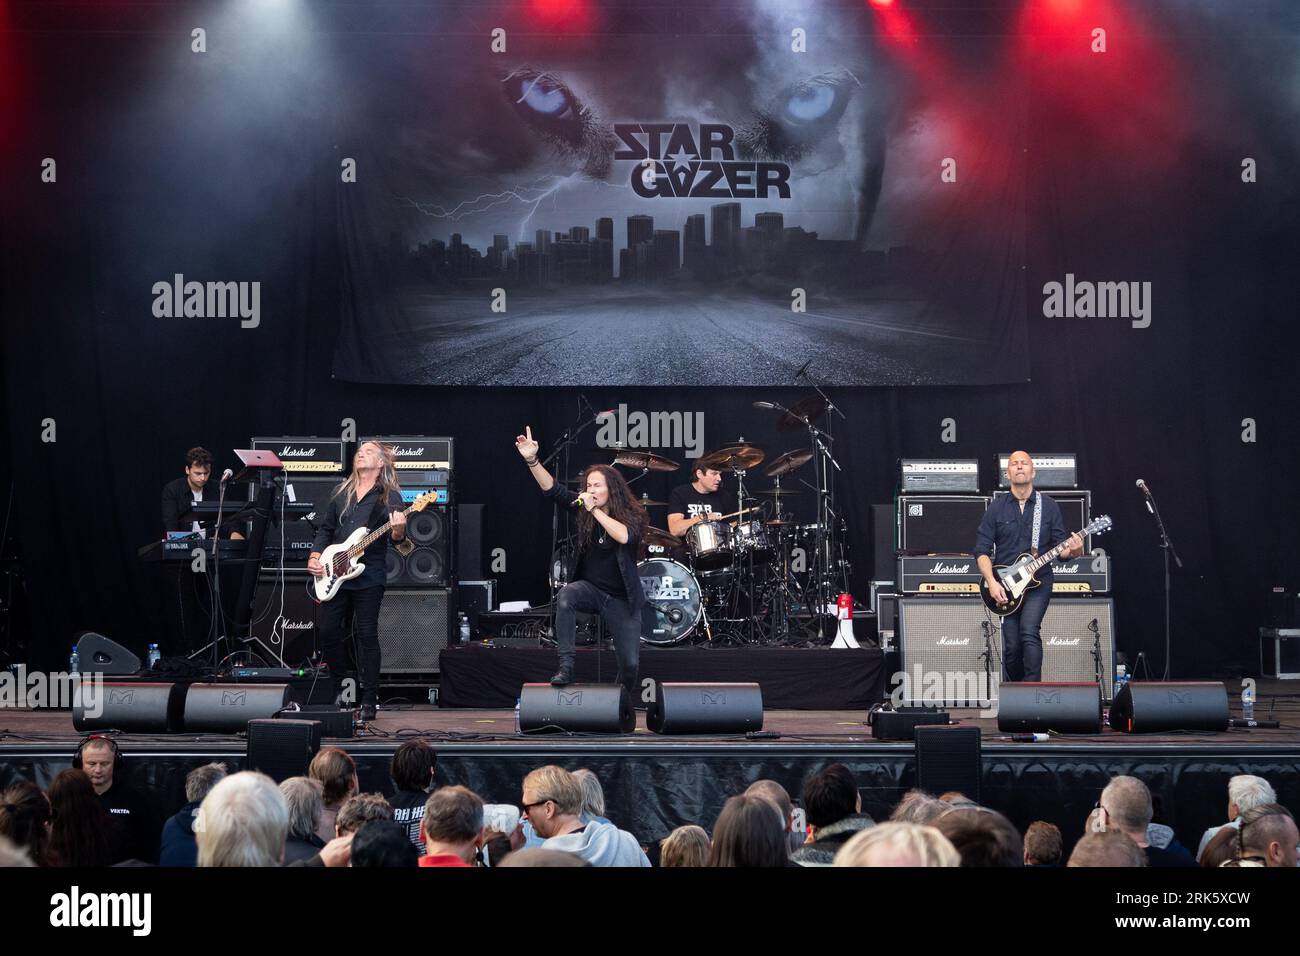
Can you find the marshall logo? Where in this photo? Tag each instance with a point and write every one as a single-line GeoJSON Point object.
{"type": "Point", "coordinates": [121, 696]}
{"type": "Point", "coordinates": [569, 699]}
{"type": "Point", "coordinates": [952, 642]}
{"type": "Point", "coordinates": [1062, 642]}
{"type": "Point", "coordinates": [290, 452]}
{"type": "Point", "coordinates": [400, 452]}
{"type": "Point", "coordinates": [1067, 569]}
{"type": "Point", "coordinates": [233, 698]}
{"type": "Point", "coordinates": [941, 568]}
{"type": "Point", "coordinates": [297, 625]}
{"type": "Point", "coordinates": [713, 699]}
{"type": "Point", "coordinates": [673, 162]}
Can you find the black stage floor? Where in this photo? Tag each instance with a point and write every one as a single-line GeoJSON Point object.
{"type": "Point", "coordinates": [654, 783]}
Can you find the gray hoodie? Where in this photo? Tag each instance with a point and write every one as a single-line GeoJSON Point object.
{"type": "Point", "coordinates": [601, 844]}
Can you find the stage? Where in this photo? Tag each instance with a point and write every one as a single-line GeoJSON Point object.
{"type": "Point", "coordinates": [653, 784]}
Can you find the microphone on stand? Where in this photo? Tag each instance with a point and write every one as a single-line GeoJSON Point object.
{"type": "Point", "coordinates": [802, 371]}
{"type": "Point", "coordinates": [770, 406]}
{"type": "Point", "coordinates": [1146, 492]}
{"type": "Point", "coordinates": [225, 475]}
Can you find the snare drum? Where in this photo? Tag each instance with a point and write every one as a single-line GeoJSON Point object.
{"type": "Point", "coordinates": [752, 541]}
{"type": "Point", "coordinates": [674, 603]}
{"type": "Point", "coordinates": [710, 545]}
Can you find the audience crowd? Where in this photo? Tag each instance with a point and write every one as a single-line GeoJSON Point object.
{"type": "Point", "coordinates": [90, 816]}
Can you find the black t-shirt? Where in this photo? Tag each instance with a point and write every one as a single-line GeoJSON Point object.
{"type": "Point", "coordinates": [1169, 856]}
{"type": "Point", "coordinates": [598, 563]}
{"type": "Point", "coordinates": [135, 828]}
{"type": "Point", "coordinates": [685, 500]}
{"type": "Point", "coordinates": [408, 813]}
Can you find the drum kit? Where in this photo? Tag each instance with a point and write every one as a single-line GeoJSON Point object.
{"type": "Point", "coordinates": [756, 576]}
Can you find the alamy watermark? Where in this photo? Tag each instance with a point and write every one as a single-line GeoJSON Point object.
{"type": "Point", "coordinates": [1101, 300]}
{"type": "Point", "coordinates": [922, 688]}
{"type": "Point", "coordinates": [619, 427]}
{"type": "Point", "coordinates": [21, 688]}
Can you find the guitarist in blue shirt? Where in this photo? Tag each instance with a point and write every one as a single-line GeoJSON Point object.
{"type": "Point", "coordinates": [1006, 532]}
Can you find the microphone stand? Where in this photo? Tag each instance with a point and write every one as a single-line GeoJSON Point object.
{"type": "Point", "coordinates": [562, 446]}
{"type": "Point", "coordinates": [1167, 546]}
{"type": "Point", "coordinates": [987, 657]}
{"type": "Point", "coordinates": [1096, 656]}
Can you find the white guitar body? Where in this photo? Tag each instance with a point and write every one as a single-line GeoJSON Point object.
{"type": "Point", "coordinates": [338, 566]}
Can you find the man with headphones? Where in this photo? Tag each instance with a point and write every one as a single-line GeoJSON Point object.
{"type": "Point", "coordinates": [135, 825]}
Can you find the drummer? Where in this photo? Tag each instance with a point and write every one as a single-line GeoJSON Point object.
{"type": "Point", "coordinates": [697, 502]}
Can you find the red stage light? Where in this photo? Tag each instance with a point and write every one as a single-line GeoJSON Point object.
{"type": "Point", "coordinates": [882, 3]}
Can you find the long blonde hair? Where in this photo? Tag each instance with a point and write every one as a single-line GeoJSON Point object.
{"type": "Point", "coordinates": [388, 482]}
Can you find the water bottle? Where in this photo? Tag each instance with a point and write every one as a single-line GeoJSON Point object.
{"type": "Point", "coordinates": [464, 628]}
{"type": "Point", "coordinates": [154, 656]}
{"type": "Point", "coordinates": [1248, 700]}
{"type": "Point", "coordinates": [517, 715]}
{"type": "Point", "coordinates": [74, 662]}
{"type": "Point", "coordinates": [1121, 678]}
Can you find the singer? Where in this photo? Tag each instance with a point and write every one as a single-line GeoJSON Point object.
{"type": "Point", "coordinates": [1024, 521]}
{"type": "Point", "coordinates": [611, 528]}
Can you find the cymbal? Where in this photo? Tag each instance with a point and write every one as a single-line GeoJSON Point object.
{"type": "Point", "coordinates": [788, 462]}
{"type": "Point", "coordinates": [661, 537]}
{"type": "Point", "coordinates": [778, 492]}
{"type": "Point", "coordinates": [648, 502]}
{"type": "Point", "coordinates": [738, 457]}
{"type": "Point", "coordinates": [810, 408]}
{"type": "Point", "coordinates": [777, 522]}
{"type": "Point", "coordinates": [645, 459]}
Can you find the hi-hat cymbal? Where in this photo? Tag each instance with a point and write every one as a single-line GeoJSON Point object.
{"type": "Point", "coordinates": [788, 462]}
{"type": "Point", "coordinates": [810, 408]}
{"type": "Point", "coordinates": [778, 492]}
{"type": "Point", "coordinates": [648, 502]}
{"type": "Point", "coordinates": [738, 457]}
{"type": "Point", "coordinates": [645, 459]}
{"type": "Point", "coordinates": [661, 537]}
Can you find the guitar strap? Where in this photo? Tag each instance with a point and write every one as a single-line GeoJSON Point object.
{"type": "Point", "coordinates": [1038, 523]}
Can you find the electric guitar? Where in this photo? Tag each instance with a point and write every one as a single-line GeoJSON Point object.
{"type": "Point", "coordinates": [1018, 577]}
{"type": "Point", "coordinates": [340, 560]}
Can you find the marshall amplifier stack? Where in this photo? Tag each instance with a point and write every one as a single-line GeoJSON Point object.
{"type": "Point", "coordinates": [313, 468]}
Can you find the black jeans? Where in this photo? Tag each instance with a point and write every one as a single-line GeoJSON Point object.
{"type": "Point", "coordinates": [362, 606]}
{"type": "Point", "coordinates": [623, 625]}
{"type": "Point", "coordinates": [1022, 647]}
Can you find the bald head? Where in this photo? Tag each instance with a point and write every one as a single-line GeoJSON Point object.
{"type": "Point", "coordinates": [1020, 469]}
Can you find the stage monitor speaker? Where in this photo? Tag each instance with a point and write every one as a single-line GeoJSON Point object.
{"type": "Point", "coordinates": [334, 721]}
{"type": "Point", "coordinates": [414, 628]}
{"type": "Point", "coordinates": [427, 564]}
{"type": "Point", "coordinates": [289, 631]}
{"type": "Point", "coordinates": [98, 655]}
{"type": "Point", "coordinates": [948, 758]}
{"type": "Point", "coordinates": [680, 708]}
{"type": "Point", "coordinates": [884, 537]}
{"type": "Point", "coordinates": [1042, 707]}
{"type": "Point", "coordinates": [1143, 707]}
{"type": "Point", "coordinates": [227, 708]}
{"type": "Point", "coordinates": [1068, 641]}
{"type": "Point", "coordinates": [939, 524]}
{"type": "Point", "coordinates": [942, 644]}
{"type": "Point", "coordinates": [282, 748]}
{"type": "Point", "coordinates": [469, 542]}
{"type": "Point", "coordinates": [140, 708]}
{"type": "Point", "coordinates": [577, 708]}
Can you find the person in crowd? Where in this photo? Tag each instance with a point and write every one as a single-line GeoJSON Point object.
{"type": "Point", "coordinates": [542, 857]}
{"type": "Point", "coordinates": [552, 801]}
{"type": "Point", "coordinates": [1125, 806]}
{"type": "Point", "coordinates": [593, 805]}
{"type": "Point", "coordinates": [898, 844]}
{"type": "Point", "coordinates": [748, 834]}
{"type": "Point", "coordinates": [303, 796]}
{"type": "Point", "coordinates": [412, 770]}
{"type": "Point", "coordinates": [834, 809]}
{"type": "Point", "coordinates": [504, 828]}
{"type": "Point", "coordinates": [1043, 844]}
{"type": "Point", "coordinates": [12, 855]}
{"type": "Point", "coordinates": [686, 846]}
{"type": "Point", "coordinates": [135, 828]}
{"type": "Point", "coordinates": [178, 847]}
{"type": "Point", "coordinates": [361, 808]}
{"type": "Point", "coordinates": [1245, 791]}
{"type": "Point", "coordinates": [1222, 848]}
{"type": "Point", "coordinates": [982, 836]}
{"type": "Point", "coordinates": [780, 798]}
{"type": "Point", "coordinates": [243, 821]}
{"type": "Point", "coordinates": [1268, 836]}
{"type": "Point", "coordinates": [917, 806]}
{"type": "Point", "coordinates": [382, 843]}
{"type": "Point", "coordinates": [1106, 848]}
{"type": "Point", "coordinates": [79, 824]}
{"type": "Point", "coordinates": [452, 827]}
{"type": "Point", "coordinates": [338, 778]}
{"type": "Point", "coordinates": [25, 821]}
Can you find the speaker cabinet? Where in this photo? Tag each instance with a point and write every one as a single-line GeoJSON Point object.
{"type": "Point", "coordinates": [1069, 641]}
{"type": "Point", "coordinates": [577, 708]}
{"type": "Point", "coordinates": [680, 708]}
{"type": "Point", "coordinates": [140, 708]}
{"type": "Point", "coordinates": [414, 627]}
{"type": "Point", "coordinates": [939, 524]}
{"type": "Point", "coordinates": [288, 627]}
{"type": "Point", "coordinates": [99, 655]}
{"type": "Point", "coordinates": [469, 542]}
{"type": "Point", "coordinates": [282, 748]}
{"type": "Point", "coordinates": [948, 758]}
{"type": "Point", "coordinates": [227, 708]}
{"type": "Point", "coordinates": [1143, 707]}
{"type": "Point", "coordinates": [1041, 707]}
{"type": "Point", "coordinates": [428, 564]}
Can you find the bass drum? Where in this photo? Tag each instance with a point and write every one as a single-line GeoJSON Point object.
{"type": "Point", "coordinates": [673, 602]}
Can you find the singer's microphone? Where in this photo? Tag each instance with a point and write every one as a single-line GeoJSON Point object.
{"type": "Point", "coordinates": [225, 475]}
{"type": "Point", "coordinates": [1142, 486]}
{"type": "Point", "coordinates": [576, 503]}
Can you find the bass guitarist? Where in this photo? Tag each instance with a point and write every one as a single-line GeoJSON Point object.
{"type": "Point", "coordinates": [1024, 521]}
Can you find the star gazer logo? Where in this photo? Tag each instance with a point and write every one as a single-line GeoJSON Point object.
{"type": "Point", "coordinates": [672, 161]}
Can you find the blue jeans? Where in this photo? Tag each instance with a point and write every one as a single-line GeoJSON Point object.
{"type": "Point", "coordinates": [1022, 647]}
{"type": "Point", "coordinates": [623, 626]}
